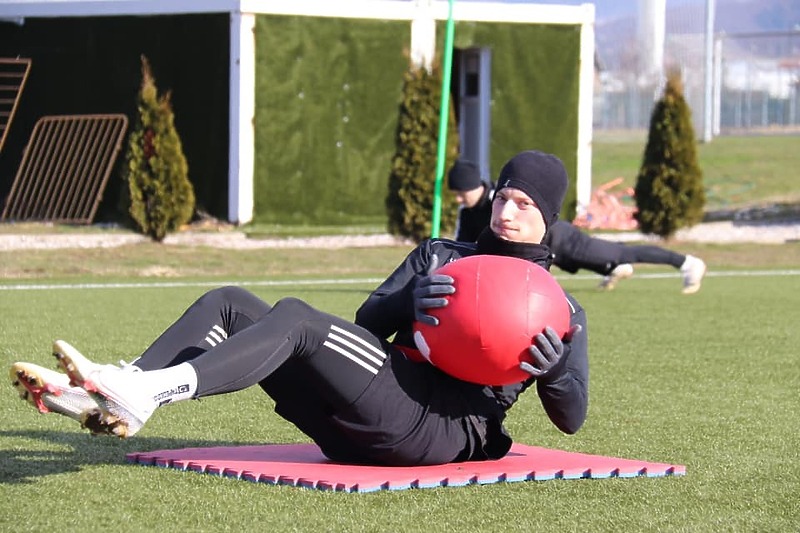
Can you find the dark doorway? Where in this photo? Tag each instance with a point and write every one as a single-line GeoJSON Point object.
{"type": "Point", "coordinates": [471, 87]}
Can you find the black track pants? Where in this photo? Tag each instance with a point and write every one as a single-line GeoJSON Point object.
{"type": "Point", "coordinates": [653, 255]}
{"type": "Point", "coordinates": [603, 256]}
{"type": "Point", "coordinates": [235, 340]}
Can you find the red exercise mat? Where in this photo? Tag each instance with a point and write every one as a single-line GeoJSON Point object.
{"type": "Point", "coordinates": [304, 465]}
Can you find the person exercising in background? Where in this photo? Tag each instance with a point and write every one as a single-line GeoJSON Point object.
{"type": "Point", "coordinates": [572, 249]}
{"type": "Point", "coordinates": [474, 196]}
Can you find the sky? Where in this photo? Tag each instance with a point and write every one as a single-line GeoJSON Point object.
{"type": "Point", "coordinates": [608, 9]}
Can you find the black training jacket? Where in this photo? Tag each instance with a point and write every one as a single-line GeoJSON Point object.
{"type": "Point", "coordinates": [388, 311]}
{"type": "Point", "coordinates": [574, 250]}
{"type": "Point", "coordinates": [472, 221]}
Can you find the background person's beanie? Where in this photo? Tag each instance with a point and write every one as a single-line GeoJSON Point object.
{"type": "Point", "coordinates": [539, 175]}
{"type": "Point", "coordinates": [464, 176]}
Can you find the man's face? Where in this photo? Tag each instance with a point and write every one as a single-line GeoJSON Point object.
{"type": "Point", "coordinates": [469, 199]}
{"type": "Point", "coordinates": [516, 217]}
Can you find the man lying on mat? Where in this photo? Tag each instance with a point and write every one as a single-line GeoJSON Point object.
{"type": "Point", "coordinates": [344, 384]}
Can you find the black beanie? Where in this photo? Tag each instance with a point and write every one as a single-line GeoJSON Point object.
{"type": "Point", "coordinates": [539, 175]}
{"type": "Point", "coordinates": [464, 176]}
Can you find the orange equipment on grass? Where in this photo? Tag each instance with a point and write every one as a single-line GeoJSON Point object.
{"type": "Point", "coordinates": [607, 209]}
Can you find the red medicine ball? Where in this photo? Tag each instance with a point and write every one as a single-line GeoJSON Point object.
{"type": "Point", "coordinates": [489, 323]}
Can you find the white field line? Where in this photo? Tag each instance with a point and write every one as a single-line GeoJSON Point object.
{"type": "Point", "coordinates": [355, 281]}
{"type": "Point", "coordinates": [172, 284]}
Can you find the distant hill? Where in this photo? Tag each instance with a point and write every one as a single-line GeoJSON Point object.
{"type": "Point", "coordinates": [733, 16]}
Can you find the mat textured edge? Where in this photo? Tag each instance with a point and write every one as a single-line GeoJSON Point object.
{"type": "Point", "coordinates": [303, 465]}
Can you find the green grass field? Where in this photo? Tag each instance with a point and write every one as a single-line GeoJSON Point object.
{"type": "Point", "coordinates": [737, 171]}
{"type": "Point", "coordinates": [709, 381]}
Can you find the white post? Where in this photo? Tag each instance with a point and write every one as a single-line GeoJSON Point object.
{"type": "Point", "coordinates": [708, 106]}
{"type": "Point", "coordinates": [583, 180]}
{"type": "Point", "coordinates": [717, 86]}
{"type": "Point", "coordinates": [242, 104]}
{"type": "Point", "coordinates": [650, 34]}
{"type": "Point", "coordinates": [423, 35]}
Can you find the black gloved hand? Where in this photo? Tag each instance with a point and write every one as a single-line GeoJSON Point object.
{"type": "Point", "coordinates": [432, 285]}
{"type": "Point", "coordinates": [547, 350]}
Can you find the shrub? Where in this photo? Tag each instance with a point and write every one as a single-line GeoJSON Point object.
{"type": "Point", "coordinates": [669, 187]}
{"type": "Point", "coordinates": [409, 203]}
{"type": "Point", "coordinates": [159, 196]}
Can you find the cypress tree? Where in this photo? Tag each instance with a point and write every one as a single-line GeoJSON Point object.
{"type": "Point", "coordinates": [669, 187]}
{"type": "Point", "coordinates": [159, 196]}
{"type": "Point", "coordinates": [409, 202]}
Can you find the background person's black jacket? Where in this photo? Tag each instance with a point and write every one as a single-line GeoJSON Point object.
{"type": "Point", "coordinates": [472, 221]}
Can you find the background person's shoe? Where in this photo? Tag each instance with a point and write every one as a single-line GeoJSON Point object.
{"type": "Point", "coordinates": [693, 269]}
{"type": "Point", "coordinates": [122, 407]}
{"type": "Point", "coordinates": [49, 391]}
{"type": "Point", "coordinates": [623, 271]}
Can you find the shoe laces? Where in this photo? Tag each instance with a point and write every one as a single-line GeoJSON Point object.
{"type": "Point", "coordinates": [128, 367]}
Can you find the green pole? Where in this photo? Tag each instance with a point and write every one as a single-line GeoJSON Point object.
{"type": "Point", "coordinates": [444, 110]}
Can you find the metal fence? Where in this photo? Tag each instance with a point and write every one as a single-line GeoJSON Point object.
{"type": "Point", "coordinates": [759, 82]}
{"type": "Point", "coordinates": [756, 85]}
{"type": "Point", "coordinates": [65, 168]}
{"type": "Point", "coordinates": [13, 74]}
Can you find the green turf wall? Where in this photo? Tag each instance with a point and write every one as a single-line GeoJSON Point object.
{"type": "Point", "coordinates": [326, 109]}
{"type": "Point", "coordinates": [327, 95]}
{"type": "Point", "coordinates": [535, 82]}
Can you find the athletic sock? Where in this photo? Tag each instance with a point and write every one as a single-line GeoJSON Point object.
{"type": "Point", "coordinates": [171, 384]}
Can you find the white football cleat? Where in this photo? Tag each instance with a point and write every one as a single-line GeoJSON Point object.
{"type": "Point", "coordinates": [122, 407]}
{"type": "Point", "coordinates": [620, 272]}
{"type": "Point", "coordinates": [49, 391]}
{"type": "Point", "coordinates": [693, 269]}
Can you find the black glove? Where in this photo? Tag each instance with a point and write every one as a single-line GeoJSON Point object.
{"type": "Point", "coordinates": [428, 286]}
{"type": "Point", "coordinates": [547, 350]}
